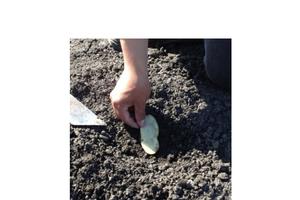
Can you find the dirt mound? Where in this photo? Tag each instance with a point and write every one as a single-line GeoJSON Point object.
{"type": "Point", "coordinates": [194, 160]}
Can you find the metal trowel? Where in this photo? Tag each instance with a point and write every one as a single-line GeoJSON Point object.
{"type": "Point", "coordinates": [80, 115]}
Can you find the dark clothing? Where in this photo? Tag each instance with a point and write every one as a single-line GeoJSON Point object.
{"type": "Point", "coordinates": [217, 61]}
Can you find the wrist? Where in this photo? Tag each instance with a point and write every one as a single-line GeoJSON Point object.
{"type": "Point", "coordinates": [136, 71]}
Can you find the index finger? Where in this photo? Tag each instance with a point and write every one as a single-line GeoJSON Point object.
{"type": "Point", "coordinates": [125, 117]}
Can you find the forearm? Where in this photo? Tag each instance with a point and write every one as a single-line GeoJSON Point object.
{"type": "Point", "coordinates": [133, 87]}
{"type": "Point", "coordinates": [135, 55]}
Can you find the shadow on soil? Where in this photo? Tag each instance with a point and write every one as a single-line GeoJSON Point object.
{"type": "Point", "coordinates": [175, 139]}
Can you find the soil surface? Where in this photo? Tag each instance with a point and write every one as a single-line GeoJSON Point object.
{"type": "Point", "coordinates": [194, 117]}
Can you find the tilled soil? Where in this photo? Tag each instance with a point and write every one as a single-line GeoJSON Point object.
{"type": "Point", "coordinates": [194, 117]}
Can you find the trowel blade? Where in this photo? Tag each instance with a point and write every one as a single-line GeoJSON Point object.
{"type": "Point", "coordinates": [80, 115]}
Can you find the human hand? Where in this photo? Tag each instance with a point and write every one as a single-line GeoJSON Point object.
{"type": "Point", "coordinates": [132, 89]}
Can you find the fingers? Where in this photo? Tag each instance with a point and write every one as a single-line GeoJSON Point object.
{"type": "Point", "coordinates": [139, 110]}
{"type": "Point", "coordinates": [125, 117]}
{"type": "Point", "coordinates": [122, 113]}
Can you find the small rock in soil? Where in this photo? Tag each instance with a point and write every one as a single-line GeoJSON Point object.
{"type": "Point", "coordinates": [223, 176]}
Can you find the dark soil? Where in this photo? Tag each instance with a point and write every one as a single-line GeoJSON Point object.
{"type": "Point", "coordinates": [194, 117]}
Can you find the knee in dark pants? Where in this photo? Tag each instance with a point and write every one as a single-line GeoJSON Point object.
{"type": "Point", "coordinates": [217, 61]}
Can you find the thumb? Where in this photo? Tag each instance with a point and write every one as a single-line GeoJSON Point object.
{"type": "Point", "coordinates": [139, 111]}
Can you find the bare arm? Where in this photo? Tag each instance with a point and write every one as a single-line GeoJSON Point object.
{"type": "Point", "coordinates": [135, 55]}
{"type": "Point", "coordinates": [133, 88]}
